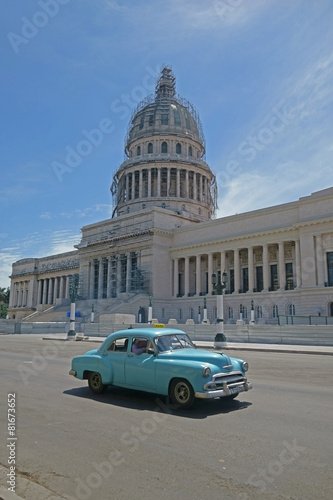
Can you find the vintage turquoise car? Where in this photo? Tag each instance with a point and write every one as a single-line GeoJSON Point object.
{"type": "Point", "coordinates": [163, 361]}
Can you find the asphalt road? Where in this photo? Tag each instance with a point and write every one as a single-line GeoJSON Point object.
{"type": "Point", "coordinates": [274, 442]}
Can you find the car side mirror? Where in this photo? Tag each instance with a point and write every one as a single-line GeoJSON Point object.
{"type": "Point", "coordinates": [151, 351]}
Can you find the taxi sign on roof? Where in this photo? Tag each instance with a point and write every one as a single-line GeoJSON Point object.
{"type": "Point", "coordinates": [159, 325]}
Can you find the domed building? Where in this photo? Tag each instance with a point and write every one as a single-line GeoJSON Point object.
{"type": "Point", "coordinates": [165, 166]}
{"type": "Point", "coordinates": [163, 244]}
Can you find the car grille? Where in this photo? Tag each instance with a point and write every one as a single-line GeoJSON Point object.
{"type": "Point", "coordinates": [232, 379]}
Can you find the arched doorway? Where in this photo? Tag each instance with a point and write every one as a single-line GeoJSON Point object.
{"type": "Point", "coordinates": [142, 315]}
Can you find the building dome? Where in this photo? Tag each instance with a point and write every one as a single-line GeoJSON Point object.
{"type": "Point", "coordinates": [165, 113]}
{"type": "Point", "coordinates": [165, 151]}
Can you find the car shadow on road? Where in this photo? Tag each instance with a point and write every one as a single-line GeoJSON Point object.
{"type": "Point", "coordinates": [143, 401]}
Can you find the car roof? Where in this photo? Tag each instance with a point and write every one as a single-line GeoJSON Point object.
{"type": "Point", "coordinates": [151, 332]}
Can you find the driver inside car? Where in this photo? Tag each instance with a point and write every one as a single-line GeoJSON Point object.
{"type": "Point", "coordinates": [139, 346]}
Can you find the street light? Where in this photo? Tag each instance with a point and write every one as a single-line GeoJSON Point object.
{"type": "Point", "coordinates": [218, 287]}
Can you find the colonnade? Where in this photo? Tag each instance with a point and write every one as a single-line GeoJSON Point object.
{"type": "Point", "coordinates": [267, 267]}
{"type": "Point", "coordinates": [50, 289]}
{"type": "Point", "coordinates": [113, 275]}
{"type": "Point", "coordinates": [164, 182]}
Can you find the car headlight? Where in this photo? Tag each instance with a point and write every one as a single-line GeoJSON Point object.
{"type": "Point", "coordinates": [206, 372]}
{"type": "Point", "coordinates": [245, 366]}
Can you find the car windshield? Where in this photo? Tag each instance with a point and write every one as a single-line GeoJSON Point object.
{"type": "Point", "coordinates": [174, 341]}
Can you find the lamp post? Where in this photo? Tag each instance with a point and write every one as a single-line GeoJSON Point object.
{"type": "Point", "coordinates": [252, 311]}
{"type": "Point", "coordinates": [73, 292]}
{"type": "Point", "coordinates": [218, 286]}
{"type": "Point", "coordinates": [241, 312]}
{"type": "Point", "coordinates": [150, 310]}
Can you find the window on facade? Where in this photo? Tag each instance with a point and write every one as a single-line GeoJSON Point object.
{"type": "Point", "coordinates": [129, 194]}
{"type": "Point", "coordinates": [183, 184]}
{"type": "Point", "coordinates": [244, 312]}
{"type": "Point", "coordinates": [96, 275]}
{"type": "Point", "coordinates": [245, 279]}
{"type": "Point", "coordinates": [289, 276]}
{"type": "Point", "coordinates": [123, 273]}
{"type": "Point", "coordinates": [151, 120]}
{"type": "Point", "coordinates": [187, 123]}
{"type": "Point", "coordinates": [180, 314]}
{"type": "Point", "coordinates": [113, 276]}
{"type": "Point", "coordinates": [176, 116]}
{"type": "Point", "coordinates": [164, 119]}
{"type": "Point", "coordinates": [191, 313]}
{"type": "Point", "coordinates": [142, 121]}
{"type": "Point", "coordinates": [329, 268]}
{"type": "Point", "coordinates": [232, 281]}
{"type": "Point", "coordinates": [145, 183]}
{"type": "Point", "coordinates": [230, 312]}
{"type": "Point", "coordinates": [105, 278]}
{"type": "Point", "coordinates": [275, 312]}
{"type": "Point", "coordinates": [164, 182]}
{"type": "Point", "coordinates": [138, 151]}
{"type": "Point", "coordinates": [258, 312]}
{"type": "Point", "coordinates": [291, 310]}
{"type": "Point", "coordinates": [191, 185]}
{"type": "Point", "coordinates": [190, 152]}
{"type": "Point", "coordinates": [164, 147]}
{"type": "Point", "coordinates": [136, 183]}
{"type": "Point", "coordinates": [259, 279]}
{"type": "Point", "coordinates": [274, 278]}
{"type": "Point", "coordinates": [154, 182]}
{"type": "Point", "coordinates": [150, 148]}
{"type": "Point", "coordinates": [198, 194]}
{"type": "Point", "coordinates": [178, 148]}
{"type": "Point", "coordinates": [173, 182]}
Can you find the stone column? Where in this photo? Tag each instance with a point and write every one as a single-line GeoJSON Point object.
{"type": "Point", "coordinates": [210, 272]}
{"type": "Point", "coordinates": [282, 267]}
{"type": "Point", "coordinates": [39, 292]}
{"type": "Point", "coordinates": [187, 184]}
{"type": "Point", "coordinates": [320, 260]}
{"type": "Point", "coordinates": [175, 277]}
{"type": "Point", "coordinates": [108, 286]}
{"type": "Point", "coordinates": [159, 181]}
{"type": "Point", "coordinates": [100, 278]}
{"type": "Point", "coordinates": [118, 275]}
{"type": "Point", "coordinates": [298, 269]}
{"type": "Point", "coordinates": [128, 273]}
{"type": "Point", "coordinates": [236, 270]}
{"type": "Point", "coordinates": [223, 262]}
{"type": "Point", "coordinates": [44, 291]}
{"type": "Point", "coordinates": [56, 288]}
{"type": "Point", "coordinates": [198, 275]}
{"type": "Point", "coordinates": [265, 268]}
{"type": "Point", "coordinates": [149, 182]}
{"type": "Point", "coordinates": [140, 184]}
{"type": "Point", "coordinates": [251, 268]}
{"type": "Point", "coordinates": [67, 287]}
{"type": "Point", "coordinates": [178, 183]}
{"type": "Point", "coordinates": [168, 180]}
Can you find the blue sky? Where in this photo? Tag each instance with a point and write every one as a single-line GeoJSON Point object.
{"type": "Point", "coordinates": [259, 72]}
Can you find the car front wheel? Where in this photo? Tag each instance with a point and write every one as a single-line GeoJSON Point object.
{"type": "Point", "coordinates": [95, 383]}
{"type": "Point", "coordinates": [181, 393]}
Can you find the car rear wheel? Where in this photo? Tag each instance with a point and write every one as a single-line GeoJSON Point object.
{"type": "Point", "coordinates": [181, 393]}
{"type": "Point", "coordinates": [95, 383]}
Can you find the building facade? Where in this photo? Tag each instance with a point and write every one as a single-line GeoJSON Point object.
{"type": "Point", "coordinates": [162, 241]}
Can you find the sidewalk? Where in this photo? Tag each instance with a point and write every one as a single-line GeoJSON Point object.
{"type": "Point", "coordinates": [233, 346]}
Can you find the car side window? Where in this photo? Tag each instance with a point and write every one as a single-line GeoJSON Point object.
{"type": "Point", "coordinates": [139, 345]}
{"type": "Point", "coordinates": [119, 345]}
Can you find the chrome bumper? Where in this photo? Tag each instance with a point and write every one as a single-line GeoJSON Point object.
{"type": "Point", "coordinates": [226, 391]}
{"type": "Point", "coordinates": [72, 372]}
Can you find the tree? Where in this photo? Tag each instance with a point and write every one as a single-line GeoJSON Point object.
{"type": "Point", "coordinates": [4, 301]}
